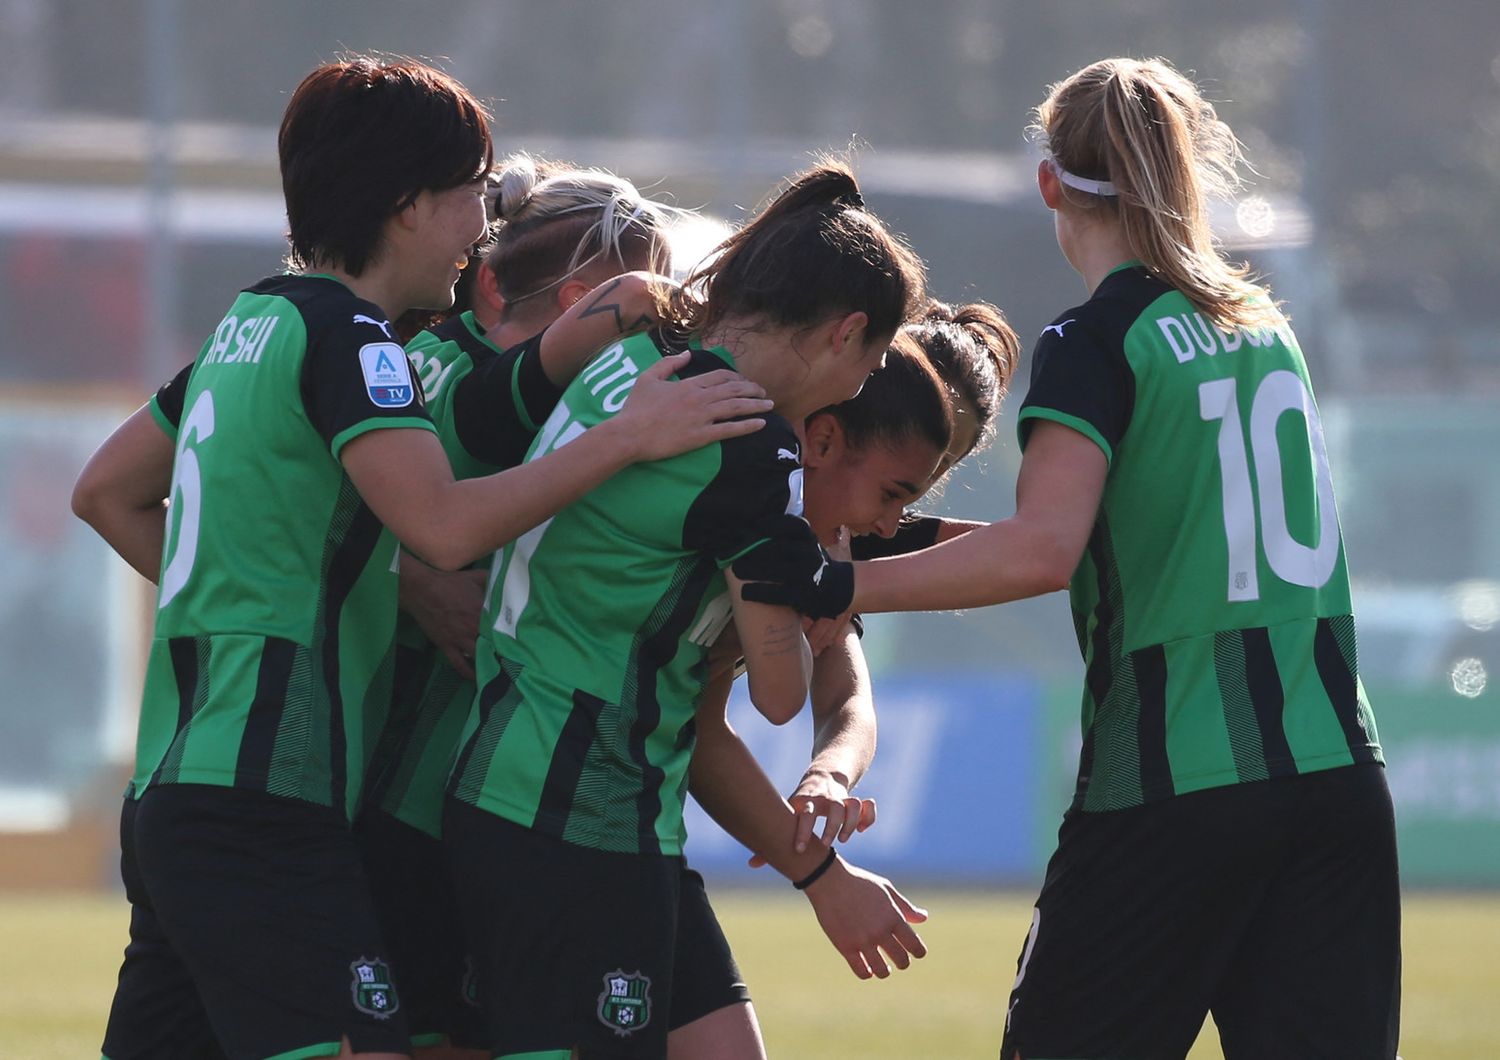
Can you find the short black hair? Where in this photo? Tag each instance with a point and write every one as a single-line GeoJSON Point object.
{"type": "Point", "coordinates": [360, 140]}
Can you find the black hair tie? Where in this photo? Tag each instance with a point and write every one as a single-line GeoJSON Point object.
{"type": "Point", "coordinates": [852, 199]}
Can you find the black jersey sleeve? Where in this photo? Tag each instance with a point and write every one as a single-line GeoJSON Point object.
{"type": "Point", "coordinates": [356, 378]}
{"type": "Point", "coordinates": [500, 405]}
{"type": "Point", "coordinates": [913, 533]}
{"type": "Point", "coordinates": [166, 403]}
{"type": "Point", "coordinates": [1081, 380]}
{"type": "Point", "coordinates": [759, 479]}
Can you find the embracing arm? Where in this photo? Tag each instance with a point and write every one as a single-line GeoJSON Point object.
{"type": "Point", "coordinates": [404, 475]}
{"type": "Point", "coordinates": [123, 488]}
{"type": "Point", "coordinates": [616, 307]}
{"type": "Point", "coordinates": [1035, 551]}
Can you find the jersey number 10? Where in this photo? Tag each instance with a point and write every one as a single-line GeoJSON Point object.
{"type": "Point", "coordinates": [1245, 520]}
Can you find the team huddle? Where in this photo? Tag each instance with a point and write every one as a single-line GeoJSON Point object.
{"type": "Point", "coordinates": [452, 591]}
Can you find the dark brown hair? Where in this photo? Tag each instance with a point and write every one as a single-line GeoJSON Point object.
{"type": "Point", "coordinates": [975, 351]}
{"type": "Point", "coordinates": [903, 399]}
{"type": "Point", "coordinates": [360, 140]}
{"type": "Point", "coordinates": [814, 251]}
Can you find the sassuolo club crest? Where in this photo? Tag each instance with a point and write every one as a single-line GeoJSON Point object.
{"type": "Point", "coordinates": [625, 1002]}
{"type": "Point", "coordinates": [374, 993]}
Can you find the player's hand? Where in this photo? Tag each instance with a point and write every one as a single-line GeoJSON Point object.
{"type": "Point", "coordinates": [446, 605]}
{"type": "Point", "coordinates": [663, 417]}
{"type": "Point", "coordinates": [791, 569]}
{"type": "Point", "coordinates": [822, 796]}
{"type": "Point", "coordinates": [868, 921]}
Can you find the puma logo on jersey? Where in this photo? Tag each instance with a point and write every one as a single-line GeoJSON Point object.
{"type": "Point", "coordinates": [787, 454]}
{"type": "Point", "coordinates": [387, 374]}
{"type": "Point", "coordinates": [1058, 327]}
{"type": "Point", "coordinates": [383, 325]}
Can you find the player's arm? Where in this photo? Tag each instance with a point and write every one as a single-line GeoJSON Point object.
{"type": "Point", "coordinates": [1035, 551]}
{"type": "Point", "coordinates": [914, 533]}
{"type": "Point", "coordinates": [446, 606]}
{"type": "Point", "coordinates": [625, 304]}
{"type": "Point", "coordinates": [123, 488]}
{"type": "Point", "coordinates": [844, 730]}
{"type": "Point", "coordinates": [864, 916]}
{"type": "Point", "coordinates": [778, 661]}
{"type": "Point", "coordinates": [404, 475]}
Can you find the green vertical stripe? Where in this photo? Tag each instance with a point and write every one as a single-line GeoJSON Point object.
{"type": "Point", "coordinates": [484, 742]}
{"type": "Point", "coordinates": [172, 764]}
{"type": "Point", "coordinates": [1239, 713]}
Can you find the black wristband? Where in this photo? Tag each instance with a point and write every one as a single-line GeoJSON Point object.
{"type": "Point", "coordinates": [817, 874]}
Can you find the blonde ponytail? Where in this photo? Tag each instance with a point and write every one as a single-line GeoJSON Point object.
{"type": "Point", "coordinates": [1147, 130]}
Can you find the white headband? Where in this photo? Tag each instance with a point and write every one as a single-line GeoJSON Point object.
{"type": "Point", "coordinates": [1093, 187]}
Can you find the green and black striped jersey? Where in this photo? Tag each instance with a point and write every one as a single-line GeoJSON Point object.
{"type": "Point", "coordinates": [1212, 603]}
{"type": "Point", "coordinates": [600, 620]}
{"type": "Point", "coordinates": [487, 404]}
{"type": "Point", "coordinates": [271, 659]}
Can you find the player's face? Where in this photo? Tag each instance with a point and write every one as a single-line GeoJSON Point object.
{"type": "Point", "coordinates": [965, 438]}
{"type": "Point", "coordinates": [452, 221]}
{"type": "Point", "coordinates": [865, 489]}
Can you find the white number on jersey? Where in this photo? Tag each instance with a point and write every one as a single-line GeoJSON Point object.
{"type": "Point", "coordinates": [186, 498]}
{"type": "Point", "coordinates": [1293, 562]}
{"type": "Point", "coordinates": [515, 594]}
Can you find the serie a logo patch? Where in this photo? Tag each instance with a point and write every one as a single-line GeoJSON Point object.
{"type": "Point", "coordinates": [374, 993]}
{"type": "Point", "coordinates": [625, 1003]}
{"type": "Point", "coordinates": [387, 374]}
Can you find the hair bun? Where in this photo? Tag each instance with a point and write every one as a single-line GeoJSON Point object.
{"type": "Point", "coordinates": [516, 178]}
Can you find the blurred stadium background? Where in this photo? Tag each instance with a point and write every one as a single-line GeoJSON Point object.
{"type": "Point", "coordinates": [138, 192]}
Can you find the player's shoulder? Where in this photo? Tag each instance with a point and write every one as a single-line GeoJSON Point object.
{"type": "Point", "coordinates": [1104, 320]}
{"type": "Point", "coordinates": [328, 307]}
{"type": "Point", "coordinates": [777, 444]}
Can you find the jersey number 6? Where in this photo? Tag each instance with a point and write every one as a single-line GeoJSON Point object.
{"type": "Point", "coordinates": [187, 499]}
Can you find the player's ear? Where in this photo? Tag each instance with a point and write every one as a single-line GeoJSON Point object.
{"type": "Point", "coordinates": [850, 332]}
{"type": "Point", "coordinates": [487, 289]}
{"type": "Point", "coordinates": [570, 292]}
{"type": "Point", "coordinates": [1048, 184]}
{"type": "Point", "coordinates": [825, 440]}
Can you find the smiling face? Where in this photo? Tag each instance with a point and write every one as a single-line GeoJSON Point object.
{"type": "Point", "coordinates": [447, 224]}
{"type": "Point", "coordinates": [864, 489]}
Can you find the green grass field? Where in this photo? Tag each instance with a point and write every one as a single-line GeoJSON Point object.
{"type": "Point", "coordinates": [61, 954]}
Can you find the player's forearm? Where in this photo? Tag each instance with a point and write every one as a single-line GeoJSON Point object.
{"type": "Point", "coordinates": [843, 708]}
{"type": "Point", "coordinates": [1009, 560]}
{"type": "Point", "coordinates": [136, 534]}
{"type": "Point", "coordinates": [731, 787]}
{"type": "Point", "coordinates": [474, 517]}
{"type": "Point", "coordinates": [778, 660]}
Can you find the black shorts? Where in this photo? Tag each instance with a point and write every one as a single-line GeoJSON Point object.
{"type": "Point", "coordinates": [705, 977]}
{"type": "Point", "coordinates": [255, 921]}
{"type": "Point", "coordinates": [418, 913]}
{"type": "Point", "coordinates": [1273, 905]}
{"type": "Point", "coordinates": [573, 947]}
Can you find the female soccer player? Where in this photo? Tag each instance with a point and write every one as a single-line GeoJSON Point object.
{"type": "Point", "coordinates": [301, 440]}
{"type": "Point", "coordinates": [864, 460]}
{"type": "Point", "coordinates": [565, 809]}
{"type": "Point", "coordinates": [555, 288]}
{"type": "Point", "coordinates": [1231, 846]}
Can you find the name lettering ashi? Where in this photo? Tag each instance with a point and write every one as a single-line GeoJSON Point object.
{"type": "Point", "coordinates": [240, 341]}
